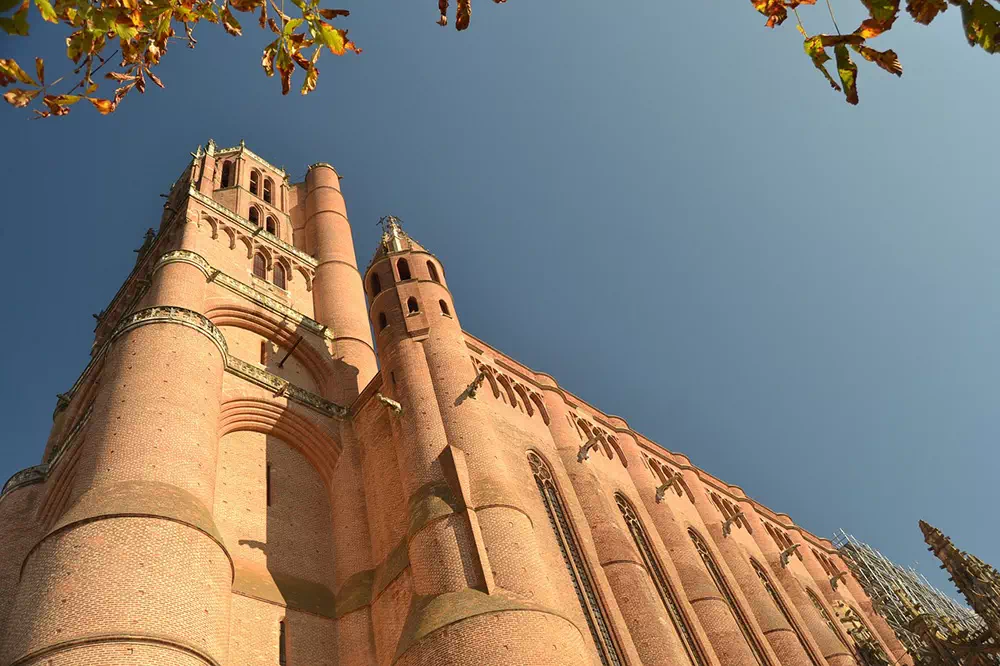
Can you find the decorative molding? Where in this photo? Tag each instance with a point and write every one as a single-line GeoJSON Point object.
{"type": "Point", "coordinates": [243, 289]}
{"type": "Point", "coordinates": [25, 477]}
{"type": "Point", "coordinates": [173, 314]}
{"type": "Point", "coordinates": [281, 387]}
{"type": "Point", "coordinates": [57, 452]}
{"type": "Point", "coordinates": [252, 229]}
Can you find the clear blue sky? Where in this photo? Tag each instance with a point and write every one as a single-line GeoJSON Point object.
{"type": "Point", "coordinates": [661, 204]}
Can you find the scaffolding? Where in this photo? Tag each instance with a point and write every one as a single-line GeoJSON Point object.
{"type": "Point", "coordinates": [886, 582]}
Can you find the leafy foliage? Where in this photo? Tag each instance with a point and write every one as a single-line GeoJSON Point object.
{"type": "Point", "coordinates": [139, 32]}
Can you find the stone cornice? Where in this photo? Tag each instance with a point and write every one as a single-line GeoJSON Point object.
{"type": "Point", "coordinates": [253, 229]}
{"type": "Point", "coordinates": [25, 477]}
{"type": "Point", "coordinates": [256, 375]}
{"type": "Point", "coordinates": [245, 290]}
{"type": "Point", "coordinates": [172, 314]}
{"type": "Point", "coordinates": [243, 150]}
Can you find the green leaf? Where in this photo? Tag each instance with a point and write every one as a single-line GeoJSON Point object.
{"type": "Point", "coordinates": [814, 49]}
{"type": "Point", "coordinates": [7, 5]}
{"type": "Point", "coordinates": [848, 72]}
{"type": "Point", "coordinates": [18, 23]}
{"type": "Point", "coordinates": [330, 37]}
{"type": "Point", "coordinates": [48, 13]}
{"type": "Point", "coordinates": [982, 25]}
{"type": "Point", "coordinates": [291, 26]}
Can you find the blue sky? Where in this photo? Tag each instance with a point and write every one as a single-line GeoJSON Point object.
{"type": "Point", "coordinates": [661, 204]}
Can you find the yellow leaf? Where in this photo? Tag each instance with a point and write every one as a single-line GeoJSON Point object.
{"type": "Point", "coordinates": [19, 97]}
{"type": "Point", "coordinates": [310, 83]}
{"type": "Point", "coordinates": [10, 68]}
{"type": "Point", "coordinates": [40, 70]}
{"type": "Point", "coordinates": [104, 106]}
{"type": "Point", "coordinates": [48, 13]}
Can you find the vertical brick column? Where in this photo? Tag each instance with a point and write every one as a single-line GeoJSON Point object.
{"type": "Point", "coordinates": [775, 628]}
{"type": "Point", "coordinates": [136, 565]}
{"type": "Point", "coordinates": [338, 295]}
{"type": "Point", "coordinates": [649, 625]}
{"type": "Point", "coordinates": [476, 602]}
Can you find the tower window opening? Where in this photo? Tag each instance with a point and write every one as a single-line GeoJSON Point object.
{"type": "Point", "coordinates": [376, 285]}
{"type": "Point", "coordinates": [227, 174]}
{"type": "Point", "coordinates": [267, 483]}
{"type": "Point", "coordinates": [254, 216]}
{"type": "Point", "coordinates": [412, 306]}
{"type": "Point", "coordinates": [282, 644]}
{"type": "Point", "coordinates": [278, 276]}
{"type": "Point", "coordinates": [271, 225]}
{"type": "Point", "coordinates": [444, 308]}
{"type": "Point", "coordinates": [404, 269]}
{"type": "Point", "coordinates": [382, 321]}
{"type": "Point", "coordinates": [268, 187]}
{"type": "Point", "coordinates": [259, 266]}
{"type": "Point", "coordinates": [255, 183]}
{"type": "Point", "coordinates": [263, 352]}
{"type": "Point", "coordinates": [432, 269]}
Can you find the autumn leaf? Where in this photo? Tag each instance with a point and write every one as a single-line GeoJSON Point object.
{"type": "Point", "coordinates": [774, 10]}
{"type": "Point", "coordinates": [887, 60]}
{"type": "Point", "coordinates": [154, 78]}
{"type": "Point", "coordinates": [18, 23]}
{"type": "Point", "coordinates": [312, 74]}
{"type": "Point", "coordinates": [55, 104]}
{"type": "Point", "coordinates": [45, 8]}
{"type": "Point", "coordinates": [443, 9]}
{"type": "Point", "coordinates": [283, 62]}
{"type": "Point", "coordinates": [848, 72]}
{"type": "Point", "coordinates": [883, 14]}
{"type": "Point", "coordinates": [331, 14]}
{"type": "Point", "coordinates": [331, 37]}
{"type": "Point", "coordinates": [816, 52]}
{"type": "Point", "coordinates": [11, 69]}
{"type": "Point", "coordinates": [40, 70]}
{"type": "Point", "coordinates": [267, 62]}
{"type": "Point", "coordinates": [19, 97]}
{"type": "Point", "coordinates": [924, 11]}
{"type": "Point", "coordinates": [103, 106]}
{"type": "Point", "coordinates": [229, 22]}
{"type": "Point", "coordinates": [7, 5]}
{"type": "Point", "coordinates": [463, 13]}
{"type": "Point", "coordinates": [982, 25]}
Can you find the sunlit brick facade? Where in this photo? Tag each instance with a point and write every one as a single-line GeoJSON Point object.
{"type": "Point", "coordinates": [244, 476]}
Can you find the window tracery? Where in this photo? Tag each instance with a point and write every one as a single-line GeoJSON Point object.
{"type": "Point", "coordinates": [573, 558]}
{"type": "Point", "coordinates": [660, 580]}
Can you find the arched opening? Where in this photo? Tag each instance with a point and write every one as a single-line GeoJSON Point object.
{"type": "Point", "coordinates": [282, 644]}
{"type": "Point", "coordinates": [404, 269]}
{"type": "Point", "coordinates": [765, 580]}
{"type": "Point", "coordinates": [376, 285]}
{"type": "Point", "coordinates": [255, 183]}
{"type": "Point", "coordinates": [432, 269]}
{"type": "Point", "coordinates": [227, 174]}
{"type": "Point", "coordinates": [268, 189]}
{"type": "Point", "coordinates": [254, 216]}
{"type": "Point", "coordinates": [412, 306]}
{"type": "Point", "coordinates": [259, 266]}
{"type": "Point", "coordinates": [279, 275]}
{"type": "Point", "coordinates": [444, 308]}
{"type": "Point", "coordinates": [382, 321]}
{"type": "Point", "coordinates": [271, 225]}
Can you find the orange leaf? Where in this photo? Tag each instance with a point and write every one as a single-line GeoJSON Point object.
{"type": "Point", "coordinates": [104, 106]}
{"type": "Point", "coordinates": [887, 60]}
{"type": "Point", "coordinates": [40, 70]}
{"type": "Point", "coordinates": [463, 14]}
{"type": "Point", "coordinates": [333, 13]}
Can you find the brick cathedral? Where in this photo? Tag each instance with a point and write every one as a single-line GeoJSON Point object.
{"type": "Point", "coordinates": [277, 457]}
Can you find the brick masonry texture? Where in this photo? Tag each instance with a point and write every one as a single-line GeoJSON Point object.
{"type": "Point", "coordinates": [278, 456]}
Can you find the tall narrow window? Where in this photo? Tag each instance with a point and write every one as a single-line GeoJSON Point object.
{"type": "Point", "coordinates": [255, 183]}
{"type": "Point", "coordinates": [268, 187]}
{"type": "Point", "coordinates": [267, 483]}
{"type": "Point", "coordinates": [660, 581]}
{"type": "Point", "coordinates": [578, 572]}
{"type": "Point", "coordinates": [727, 593]}
{"type": "Point", "coordinates": [254, 216]}
{"type": "Point", "coordinates": [432, 269]}
{"type": "Point", "coordinates": [826, 616]}
{"type": "Point", "coordinates": [227, 174]}
{"type": "Point", "coordinates": [444, 308]}
{"type": "Point", "coordinates": [382, 321]}
{"type": "Point", "coordinates": [376, 285]}
{"type": "Point", "coordinates": [271, 226]}
{"type": "Point", "coordinates": [263, 352]}
{"type": "Point", "coordinates": [765, 580]}
{"type": "Point", "coordinates": [282, 644]}
{"type": "Point", "coordinates": [259, 266]}
{"type": "Point", "coordinates": [404, 269]}
{"type": "Point", "coordinates": [278, 275]}
{"type": "Point", "coordinates": [412, 306]}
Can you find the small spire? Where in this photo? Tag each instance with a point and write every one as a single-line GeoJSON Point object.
{"type": "Point", "coordinates": [393, 235]}
{"type": "Point", "coordinates": [211, 147]}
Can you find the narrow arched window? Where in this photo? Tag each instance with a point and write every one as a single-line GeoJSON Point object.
{"type": "Point", "coordinates": [259, 266]}
{"type": "Point", "coordinates": [254, 216]}
{"type": "Point", "coordinates": [255, 183]}
{"type": "Point", "coordinates": [271, 225]}
{"type": "Point", "coordinates": [282, 644]}
{"type": "Point", "coordinates": [382, 321]}
{"type": "Point", "coordinates": [444, 308]}
{"type": "Point", "coordinates": [727, 593]}
{"type": "Point", "coordinates": [268, 189]}
{"type": "Point", "coordinates": [765, 580]}
{"type": "Point", "coordinates": [279, 275]}
{"type": "Point", "coordinates": [227, 174]}
{"type": "Point", "coordinates": [404, 269]}
{"type": "Point", "coordinates": [376, 285]}
{"type": "Point", "coordinates": [432, 269]}
{"type": "Point", "coordinates": [573, 558]}
{"type": "Point", "coordinates": [660, 581]}
{"type": "Point", "coordinates": [825, 615]}
{"type": "Point", "coordinates": [412, 306]}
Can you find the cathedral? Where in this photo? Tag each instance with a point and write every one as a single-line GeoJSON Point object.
{"type": "Point", "coordinates": [277, 456]}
